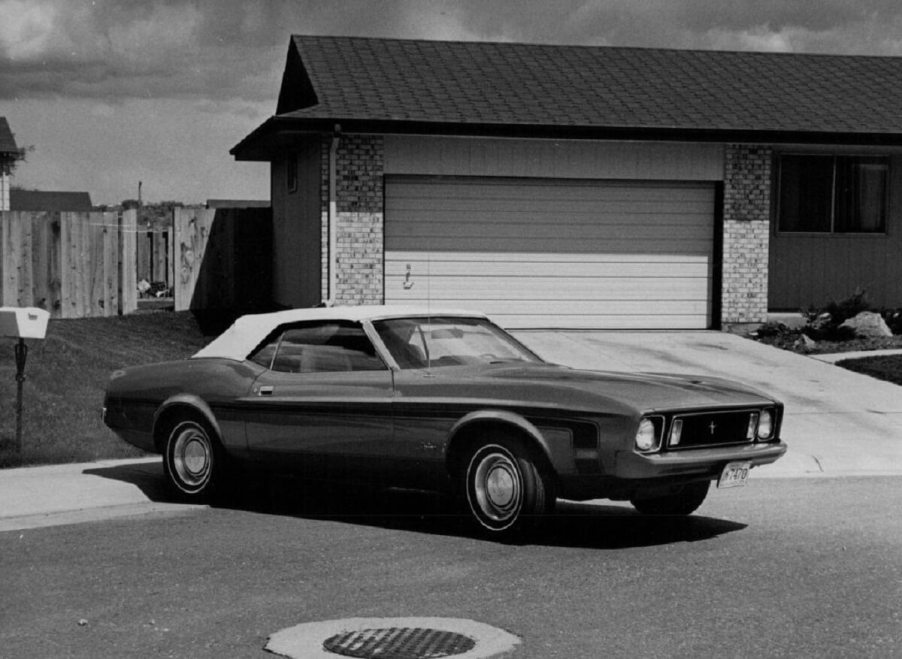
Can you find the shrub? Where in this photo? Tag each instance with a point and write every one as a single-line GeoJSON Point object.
{"type": "Point", "coordinates": [893, 318]}
{"type": "Point", "coordinates": [824, 323]}
{"type": "Point", "coordinates": [773, 328]}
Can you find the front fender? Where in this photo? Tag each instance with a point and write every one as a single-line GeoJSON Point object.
{"type": "Point", "coordinates": [500, 417]}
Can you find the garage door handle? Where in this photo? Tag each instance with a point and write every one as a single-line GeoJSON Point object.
{"type": "Point", "coordinates": [265, 391]}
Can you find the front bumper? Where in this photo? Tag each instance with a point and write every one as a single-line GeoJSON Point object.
{"type": "Point", "coordinates": [693, 462]}
{"type": "Point", "coordinates": [631, 472]}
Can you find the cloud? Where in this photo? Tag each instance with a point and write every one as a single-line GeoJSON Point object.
{"type": "Point", "coordinates": [115, 50]}
{"type": "Point", "coordinates": [26, 29]}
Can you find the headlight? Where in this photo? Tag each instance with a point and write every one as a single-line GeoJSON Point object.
{"type": "Point", "coordinates": [648, 437]}
{"type": "Point", "coordinates": [766, 424]}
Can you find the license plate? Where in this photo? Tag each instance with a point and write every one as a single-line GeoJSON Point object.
{"type": "Point", "coordinates": [734, 474]}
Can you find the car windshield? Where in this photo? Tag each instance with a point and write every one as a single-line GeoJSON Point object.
{"type": "Point", "coordinates": [435, 342]}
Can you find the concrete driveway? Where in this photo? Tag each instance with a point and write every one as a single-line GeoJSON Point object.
{"type": "Point", "coordinates": [837, 422]}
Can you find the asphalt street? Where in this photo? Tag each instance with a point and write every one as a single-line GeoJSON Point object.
{"type": "Point", "coordinates": [784, 567]}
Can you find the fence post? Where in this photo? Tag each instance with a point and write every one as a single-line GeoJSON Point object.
{"type": "Point", "coordinates": [129, 258]}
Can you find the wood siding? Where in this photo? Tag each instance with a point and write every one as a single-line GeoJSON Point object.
{"type": "Point", "coordinates": [547, 253]}
{"type": "Point", "coordinates": [297, 237]}
{"type": "Point", "coordinates": [808, 269]}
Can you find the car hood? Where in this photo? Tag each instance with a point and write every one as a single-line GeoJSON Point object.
{"type": "Point", "coordinates": [640, 391]}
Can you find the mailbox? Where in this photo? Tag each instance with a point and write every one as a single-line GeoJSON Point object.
{"type": "Point", "coordinates": [23, 322]}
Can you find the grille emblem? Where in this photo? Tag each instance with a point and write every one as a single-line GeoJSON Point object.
{"type": "Point", "coordinates": [712, 427]}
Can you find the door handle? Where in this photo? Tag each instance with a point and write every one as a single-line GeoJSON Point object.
{"type": "Point", "coordinates": [265, 391]}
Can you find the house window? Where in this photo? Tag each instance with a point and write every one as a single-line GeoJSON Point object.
{"type": "Point", "coordinates": [833, 194]}
{"type": "Point", "coordinates": [291, 174]}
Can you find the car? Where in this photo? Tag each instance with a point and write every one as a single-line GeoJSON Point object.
{"type": "Point", "coordinates": [438, 400]}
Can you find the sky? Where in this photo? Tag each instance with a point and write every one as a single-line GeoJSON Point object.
{"type": "Point", "coordinates": [108, 93]}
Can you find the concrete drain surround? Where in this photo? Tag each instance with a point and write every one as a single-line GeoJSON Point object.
{"type": "Point", "coordinates": [392, 638]}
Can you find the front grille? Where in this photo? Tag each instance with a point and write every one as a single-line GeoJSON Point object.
{"type": "Point", "coordinates": [713, 428]}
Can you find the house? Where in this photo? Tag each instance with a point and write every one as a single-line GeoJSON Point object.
{"type": "Point", "coordinates": [49, 200]}
{"type": "Point", "coordinates": [570, 186]}
{"type": "Point", "coordinates": [9, 154]}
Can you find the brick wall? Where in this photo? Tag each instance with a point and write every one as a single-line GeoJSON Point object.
{"type": "Point", "coordinates": [746, 233]}
{"type": "Point", "coordinates": [359, 219]}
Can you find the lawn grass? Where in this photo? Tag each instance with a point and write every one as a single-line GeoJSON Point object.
{"type": "Point", "coordinates": [884, 367]}
{"type": "Point", "coordinates": [66, 376]}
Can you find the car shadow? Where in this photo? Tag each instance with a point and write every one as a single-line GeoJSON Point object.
{"type": "Point", "coordinates": [146, 475]}
{"type": "Point", "coordinates": [574, 524]}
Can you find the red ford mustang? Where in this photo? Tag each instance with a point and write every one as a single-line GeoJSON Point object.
{"type": "Point", "coordinates": [438, 400]}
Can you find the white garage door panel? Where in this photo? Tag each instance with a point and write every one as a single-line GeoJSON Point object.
{"type": "Point", "coordinates": [553, 254]}
{"type": "Point", "coordinates": [542, 288]}
{"type": "Point", "coordinates": [519, 243]}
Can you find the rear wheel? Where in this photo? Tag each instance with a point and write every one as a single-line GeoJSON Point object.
{"type": "Point", "coordinates": [506, 491]}
{"type": "Point", "coordinates": [193, 460]}
{"type": "Point", "coordinates": [683, 500]}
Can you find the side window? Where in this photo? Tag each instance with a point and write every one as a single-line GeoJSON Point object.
{"type": "Point", "coordinates": [326, 347]}
{"type": "Point", "coordinates": [264, 355]}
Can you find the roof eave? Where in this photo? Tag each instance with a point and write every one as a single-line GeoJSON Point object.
{"type": "Point", "coordinates": [278, 135]}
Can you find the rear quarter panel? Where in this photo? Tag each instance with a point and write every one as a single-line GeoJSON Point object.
{"type": "Point", "coordinates": [136, 396]}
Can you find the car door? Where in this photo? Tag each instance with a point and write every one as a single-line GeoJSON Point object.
{"type": "Point", "coordinates": [324, 400]}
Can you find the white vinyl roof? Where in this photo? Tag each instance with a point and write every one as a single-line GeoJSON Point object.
{"type": "Point", "coordinates": [247, 332]}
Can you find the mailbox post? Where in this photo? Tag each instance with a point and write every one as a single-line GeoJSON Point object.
{"type": "Point", "coordinates": [22, 323]}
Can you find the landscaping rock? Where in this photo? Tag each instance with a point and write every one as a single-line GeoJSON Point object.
{"type": "Point", "coordinates": [868, 324]}
{"type": "Point", "coordinates": [805, 343]}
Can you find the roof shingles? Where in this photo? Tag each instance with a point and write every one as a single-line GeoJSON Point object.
{"type": "Point", "coordinates": [593, 87]}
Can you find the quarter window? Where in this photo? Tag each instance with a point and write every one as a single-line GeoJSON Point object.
{"type": "Point", "coordinates": [328, 347]}
{"type": "Point", "coordinates": [833, 194]}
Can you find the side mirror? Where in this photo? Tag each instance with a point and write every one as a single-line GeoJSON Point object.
{"type": "Point", "coordinates": [23, 322]}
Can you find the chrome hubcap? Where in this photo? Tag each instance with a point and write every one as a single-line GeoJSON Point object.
{"type": "Point", "coordinates": [497, 487]}
{"type": "Point", "coordinates": [191, 457]}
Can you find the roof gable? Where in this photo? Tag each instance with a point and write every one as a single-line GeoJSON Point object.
{"type": "Point", "coordinates": [7, 141]}
{"type": "Point", "coordinates": [297, 90]}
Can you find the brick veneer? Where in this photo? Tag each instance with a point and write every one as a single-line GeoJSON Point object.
{"type": "Point", "coordinates": [359, 217]}
{"type": "Point", "coordinates": [746, 232]}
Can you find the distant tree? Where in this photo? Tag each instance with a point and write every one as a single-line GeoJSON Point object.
{"type": "Point", "coordinates": [9, 161]}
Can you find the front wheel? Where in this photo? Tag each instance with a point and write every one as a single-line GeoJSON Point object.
{"type": "Point", "coordinates": [193, 461]}
{"type": "Point", "coordinates": [506, 491]}
{"type": "Point", "coordinates": [684, 500]}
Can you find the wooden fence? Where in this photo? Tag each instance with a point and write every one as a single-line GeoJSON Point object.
{"type": "Point", "coordinates": [154, 257]}
{"type": "Point", "coordinates": [223, 259]}
{"type": "Point", "coordinates": [70, 264]}
{"type": "Point", "coordinates": [89, 264]}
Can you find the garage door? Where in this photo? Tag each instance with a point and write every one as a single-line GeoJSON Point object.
{"type": "Point", "coordinates": [543, 253]}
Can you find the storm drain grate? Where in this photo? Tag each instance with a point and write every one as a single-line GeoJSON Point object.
{"type": "Point", "coordinates": [399, 643]}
